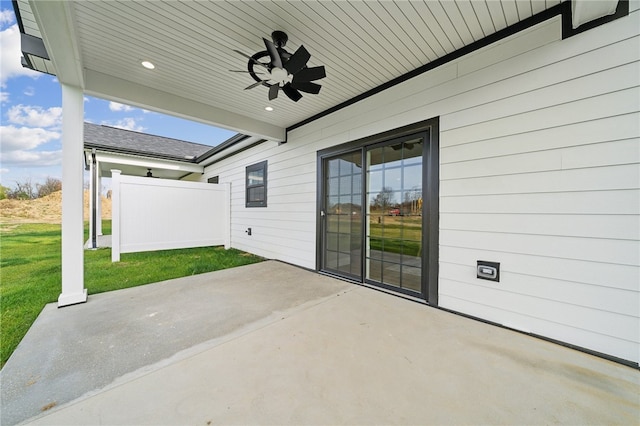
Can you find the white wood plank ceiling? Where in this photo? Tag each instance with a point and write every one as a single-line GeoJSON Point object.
{"type": "Point", "coordinates": [362, 44]}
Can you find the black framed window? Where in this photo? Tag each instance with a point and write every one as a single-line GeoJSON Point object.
{"type": "Point", "coordinates": [214, 179]}
{"type": "Point", "coordinates": [256, 185]}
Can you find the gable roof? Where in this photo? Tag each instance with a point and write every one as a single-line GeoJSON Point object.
{"type": "Point", "coordinates": [112, 139]}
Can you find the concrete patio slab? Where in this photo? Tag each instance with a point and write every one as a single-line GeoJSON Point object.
{"type": "Point", "coordinates": [78, 349]}
{"type": "Point", "coordinates": [331, 353]}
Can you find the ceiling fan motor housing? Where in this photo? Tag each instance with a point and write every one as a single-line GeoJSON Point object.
{"type": "Point", "coordinates": [279, 38]}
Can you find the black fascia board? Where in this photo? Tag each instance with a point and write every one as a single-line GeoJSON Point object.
{"type": "Point", "coordinates": [224, 145]}
{"type": "Point", "coordinates": [563, 9]}
{"type": "Point", "coordinates": [16, 11]}
{"type": "Point", "coordinates": [147, 154]}
{"type": "Point", "coordinates": [231, 154]}
{"type": "Point", "coordinates": [25, 61]}
{"type": "Point", "coordinates": [492, 38]}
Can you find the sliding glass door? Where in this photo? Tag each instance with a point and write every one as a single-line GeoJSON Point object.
{"type": "Point", "coordinates": [373, 219]}
{"type": "Point", "coordinates": [342, 214]}
{"type": "Point", "coordinates": [394, 214]}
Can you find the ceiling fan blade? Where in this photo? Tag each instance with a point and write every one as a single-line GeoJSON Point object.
{"type": "Point", "coordinates": [292, 93]}
{"type": "Point", "coordinates": [247, 72]}
{"type": "Point", "coordinates": [255, 61]}
{"type": "Point", "coordinates": [306, 75]}
{"type": "Point", "coordinates": [254, 85]}
{"type": "Point", "coordinates": [298, 60]}
{"type": "Point", "coordinates": [276, 61]}
{"type": "Point", "coordinates": [307, 87]}
{"type": "Point", "coordinates": [273, 91]}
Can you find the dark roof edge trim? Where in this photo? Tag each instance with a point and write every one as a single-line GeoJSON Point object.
{"type": "Point", "coordinates": [110, 149]}
{"type": "Point", "coordinates": [231, 154]}
{"type": "Point", "coordinates": [563, 9]}
{"type": "Point", "coordinates": [25, 62]}
{"type": "Point", "coordinates": [16, 11]}
{"type": "Point", "coordinates": [224, 145]}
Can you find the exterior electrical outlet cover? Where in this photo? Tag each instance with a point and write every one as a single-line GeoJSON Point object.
{"type": "Point", "coordinates": [488, 270]}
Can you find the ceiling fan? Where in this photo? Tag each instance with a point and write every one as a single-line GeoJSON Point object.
{"type": "Point", "coordinates": [284, 71]}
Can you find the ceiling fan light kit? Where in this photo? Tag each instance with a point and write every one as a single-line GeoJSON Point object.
{"type": "Point", "coordinates": [284, 71]}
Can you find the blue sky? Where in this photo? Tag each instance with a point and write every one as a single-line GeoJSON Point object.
{"type": "Point", "coordinates": [30, 116]}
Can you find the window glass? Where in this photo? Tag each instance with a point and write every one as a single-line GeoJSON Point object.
{"type": "Point", "coordinates": [255, 177]}
{"type": "Point", "coordinates": [256, 185]}
{"type": "Point", "coordinates": [255, 194]}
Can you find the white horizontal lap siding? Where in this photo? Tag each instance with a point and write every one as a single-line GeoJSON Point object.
{"type": "Point", "coordinates": [285, 229]}
{"type": "Point", "coordinates": [546, 182]}
{"type": "Point", "coordinates": [540, 171]}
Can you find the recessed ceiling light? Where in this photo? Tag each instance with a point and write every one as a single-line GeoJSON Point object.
{"type": "Point", "coordinates": [148, 65]}
{"type": "Point", "coordinates": [268, 108]}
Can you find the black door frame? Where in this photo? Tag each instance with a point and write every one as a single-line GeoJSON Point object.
{"type": "Point", "coordinates": [321, 236]}
{"type": "Point", "coordinates": [431, 185]}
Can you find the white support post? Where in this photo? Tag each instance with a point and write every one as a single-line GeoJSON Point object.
{"type": "Point", "coordinates": [73, 290]}
{"type": "Point", "coordinates": [227, 220]}
{"type": "Point", "coordinates": [115, 215]}
{"type": "Point", "coordinates": [99, 206]}
{"type": "Point", "coordinates": [93, 202]}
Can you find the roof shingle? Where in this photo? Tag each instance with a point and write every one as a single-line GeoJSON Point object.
{"type": "Point", "coordinates": [113, 139]}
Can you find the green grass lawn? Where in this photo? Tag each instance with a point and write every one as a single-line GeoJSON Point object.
{"type": "Point", "coordinates": [30, 272]}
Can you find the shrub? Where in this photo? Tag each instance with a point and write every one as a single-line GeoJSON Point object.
{"type": "Point", "coordinates": [49, 186]}
{"type": "Point", "coordinates": [23, 191]}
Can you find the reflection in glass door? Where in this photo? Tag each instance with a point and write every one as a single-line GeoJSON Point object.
{"type": "Point", "coordinates": [394, 215]}
{"type": "Point", "coordinates": [372, 226]}
{"type": "Point", "coordinates": [342, 214]}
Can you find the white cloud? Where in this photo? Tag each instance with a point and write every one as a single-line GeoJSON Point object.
{"type": "Point", "coordinates": [126, 124]}
{"type": "Point", "coordinates": [29, 91]}
{"type": "Point", "coordinates": [115, 106]}
{"type": "Point", "coordinates": [32, 158]}
{"type": "Point", "coordinates": [11, 65]}
{"type": "Point", "coordinates": [35, 116]}
{"type": "Point", "coordinates": [23, 138]}
{"type": "Point", "coordinates": [7, 16]}
{"type": "Point", "coordinates": [3, 170]}
{"type": "Point", "coordinates": [4, 97]}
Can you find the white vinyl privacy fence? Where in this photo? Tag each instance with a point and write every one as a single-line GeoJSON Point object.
{"type": "Point", "coordinates": [159, 214]}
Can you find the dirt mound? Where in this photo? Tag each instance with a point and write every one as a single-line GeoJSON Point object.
{"type": "Point", "coordinates": [44, 210]}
